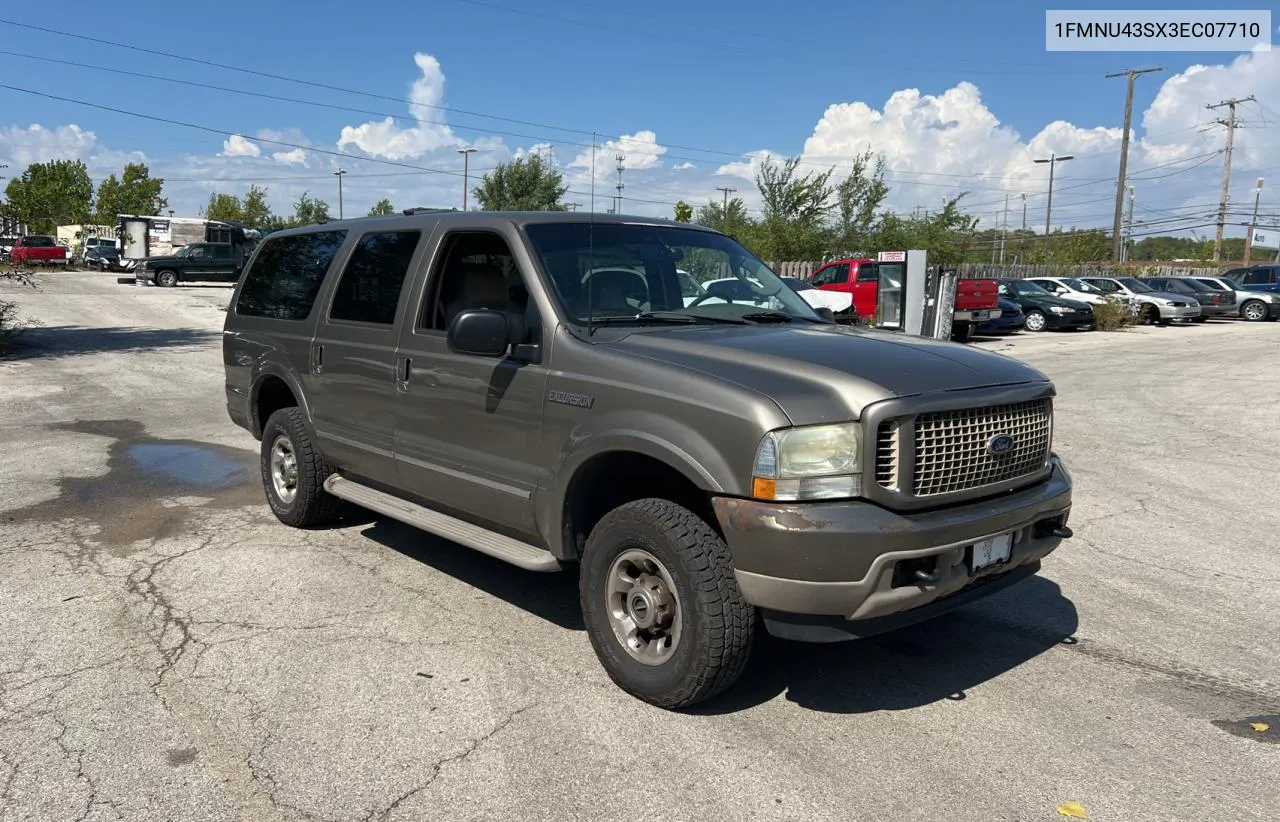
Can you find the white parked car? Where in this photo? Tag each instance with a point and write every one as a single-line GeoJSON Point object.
{"type": "Point", "coordinates": [1071, 288]}
{"type": "Point", "coordinates": [1161, 307]}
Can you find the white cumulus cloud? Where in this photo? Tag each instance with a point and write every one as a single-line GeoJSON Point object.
{"type": "Point", "coordinates": [383, 138]}
{"type": "Point", "coordinates": [640, 151]}
{"type": "Point", "coordinates": [237, 146]}
{"type": "Point", "coordinates": [296, 157]}
{"type": "Point", "coordinates": [37, 144]}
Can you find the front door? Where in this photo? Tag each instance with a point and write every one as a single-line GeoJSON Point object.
{"type": "Point", "coordinates": [353, 355]}
{"type": "Point", "coordinates": [467, 427]}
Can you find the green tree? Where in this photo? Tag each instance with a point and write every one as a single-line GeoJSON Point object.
{"type": "Point", "coordinates": [794, 224]}
{"type": "Point", "coordinates": [224, 207]}
{"type": "Point", "coordinates": [730, 218]}
{"type": "Point", "coordinates": [51, 194]}
{"type": "Point", "coordinates": [684, 212]}
{"type": "Point", "coordinates": [382, 208]}
{"type": "Point", "coordinates": [134, 192]}
{"type": "Point", "coordinates": [256, 213]}
{"type": "Point", "coordinates": [524, 184]}
{"type": "Point", "coordinates": [309, 211]}
{"type": "Point", "coordinates": [858, 198]}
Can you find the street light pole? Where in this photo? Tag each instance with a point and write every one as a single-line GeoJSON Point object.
{"type": "Point", "coordinates": [1048, 209]}
{"type": "Point", "coordinates": [1253, 224]}
{"type": "Point", "coordinates": [466, 172]}
{"type": "Point", "coordinates": [339, 174]}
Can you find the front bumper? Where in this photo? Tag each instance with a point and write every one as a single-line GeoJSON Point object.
{"type": "Point", "coordinates": [1072, 320]}
{"type": "Point", "coordinates": [858, 561]}
{"type": "Point", "coordinates": [1186, 312]}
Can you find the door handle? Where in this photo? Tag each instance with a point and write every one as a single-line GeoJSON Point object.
{"type": "Point", "coordinates": [317, 358]}
{"type": "Point", "coordinates": [403, 366]}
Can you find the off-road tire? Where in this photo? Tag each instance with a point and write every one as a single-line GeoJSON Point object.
{"type": "Point", "coordinates": [312, 506]}
{"type": "Point", "coordinates": [718, 626]}
{"type": "Point", "coordinates": [1259, 309]}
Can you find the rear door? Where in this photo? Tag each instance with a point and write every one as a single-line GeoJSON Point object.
{"type": "Point", "coordinates": [222, 265]}
{"type": "Point", "coordinates": [353, 353]}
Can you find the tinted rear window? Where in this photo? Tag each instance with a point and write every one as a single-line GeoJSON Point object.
{"type": "Point", "coordinates": [284, 279]}
{"type": "Point", "coordinates": [37, 241]}
{"type": "Point", "coordinates": [369, 290]}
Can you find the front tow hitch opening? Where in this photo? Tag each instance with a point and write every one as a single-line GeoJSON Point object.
{"type": "Point", "coordinates": [1052, 527]}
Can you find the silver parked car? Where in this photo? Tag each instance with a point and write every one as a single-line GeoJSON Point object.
{"type": "Point", "coordinates": [1254, 306]}
{"type": "Point", "coordinates": [1153, 306]}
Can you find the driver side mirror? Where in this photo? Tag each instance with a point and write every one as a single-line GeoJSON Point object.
{"type": "Point", "coordinates": [484, 332]}
{"type": "Point", "coordinates": [825, 313]}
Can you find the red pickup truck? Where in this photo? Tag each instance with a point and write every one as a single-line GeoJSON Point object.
{"type": "Point", "coordinates": [977, 300]}
{"type": "Point", "coordinates": [39, 249]}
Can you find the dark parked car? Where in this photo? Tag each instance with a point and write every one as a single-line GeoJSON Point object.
{"type": "Point", "coordinates": [699, 468]}
{"type": "Point", "coordinates": [1011, 319]}
{"type": "Point", "coordinates": [1213, 302]}
{"type": "Point", "coordinates": [215, 262]}
{"type": "Point", "coordinates": [106, 258]}
{"type": "Point", "coordinates": [1044, 311]}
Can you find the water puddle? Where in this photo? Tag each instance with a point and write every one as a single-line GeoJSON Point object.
{"type": "Point", "coordinates": [151, 486]}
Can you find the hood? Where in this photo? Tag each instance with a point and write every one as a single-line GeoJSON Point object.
{"type": "Point", "coordinates": [821, 373]}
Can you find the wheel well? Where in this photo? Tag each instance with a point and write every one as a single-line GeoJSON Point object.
{"type": "Point", "coordinates": [616, 478]}
{"type": "Point", "coordinates": [273, 394]}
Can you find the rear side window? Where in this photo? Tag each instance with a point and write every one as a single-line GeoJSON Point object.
{"type": "Point", "coordinates": [283, 281]}
{"type": "Point", "coordinates": [369, 290]}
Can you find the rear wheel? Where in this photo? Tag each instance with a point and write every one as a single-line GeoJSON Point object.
{"type": "Point", "coordinates": [1254, 311]}
{"type": "Point", "coordinates": [962, 332]}
{"type": "Point", "coordinates": [662, 606]}
{"type": "Point", "coordinates": [294, 471]}
{"type": "Point", "coordinates": [1036, 320]}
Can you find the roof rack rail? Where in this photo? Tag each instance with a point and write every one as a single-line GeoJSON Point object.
{"type": "Point", "coordinates": [423, 210]}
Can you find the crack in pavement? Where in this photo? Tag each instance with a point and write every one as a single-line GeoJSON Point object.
{"type": "Point", "coordinates": [439, 765]}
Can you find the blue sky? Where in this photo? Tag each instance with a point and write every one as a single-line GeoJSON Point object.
{"type": "Point", "coordinates": [703, 81]}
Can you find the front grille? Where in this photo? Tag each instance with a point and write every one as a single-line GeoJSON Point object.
{"type": "Point", "coordinates": [952, 448]}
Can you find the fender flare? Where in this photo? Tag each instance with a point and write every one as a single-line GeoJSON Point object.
{"type": "Point", "coordinates": [260, 375]}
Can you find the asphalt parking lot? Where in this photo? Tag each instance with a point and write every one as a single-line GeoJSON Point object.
{"type": "Point", "coordinates": [170, 652]}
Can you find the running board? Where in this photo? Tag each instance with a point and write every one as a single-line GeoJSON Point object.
{"type": "Point", "coordinates": [498, 546]}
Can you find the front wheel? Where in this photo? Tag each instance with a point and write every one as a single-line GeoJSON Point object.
{"type": "Point", "coordinates": [1254, 311]}
{"type": "Point", "coordinates": [1036, 321]}
{"type": "Point", "coordinates": [662, 606]}
{"type": "Point", "coordinates": [1150, 315]}
{"type": "Point", "coordinates": [166, 279]}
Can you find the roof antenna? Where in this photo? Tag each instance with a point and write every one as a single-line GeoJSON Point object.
{"type": "Point", "coordinates": [591, 239]}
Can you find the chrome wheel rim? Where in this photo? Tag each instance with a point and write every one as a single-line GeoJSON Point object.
{"type": "Point", "coordinates": [1253, 311]}
{"type": "Point", "coordinates": [1035, 322]}
{"type": "Point", "coordinates": [167, 278]}
{"type": "Point", "coordinates": [284, 469]}
{"type": "Point", "coordinates": [643, 607]}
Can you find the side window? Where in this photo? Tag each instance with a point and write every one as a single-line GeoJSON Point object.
{"type": "Point", "coordinates": [199, 252]}
{"type": "Point", "coordinates": [1005, 292]}
{"type": "Point", "coordinates": [475, 270]}
{"type": "Point", "coordinates": [867, 273]}
{"type": "Point", "coordinates": [823, 276]}
{"type": "Point", "coordinates": [283, 280]}
{"type": "Point", "coordinates": [222, 253]}
{"type": "Point", "coordinates": [369, 291]}
{"type": "Point", "coordinates": [1256, 277]}
{"type": "Point", "coordinates": [1106, 286]}
{"type": "Point", "coordinates": [839, 273]}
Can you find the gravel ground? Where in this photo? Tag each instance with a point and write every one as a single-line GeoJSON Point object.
{"type": "Point", "coordinates": [171, 652]}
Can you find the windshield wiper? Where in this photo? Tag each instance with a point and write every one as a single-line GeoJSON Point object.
{"type": "Point", "coordinates": [648, 316]}
{"type": "Point", "coordinates": [768, 317]}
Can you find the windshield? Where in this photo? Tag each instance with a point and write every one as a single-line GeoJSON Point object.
{"type": "Point", "coordinates": [797, 285]}
{"type": "Point", "coordinates": [1135, 285]}
{"type": "Point", "coordinates": [1080, 285]}
{"type": "Point", "coordinates": [1025, 288]}
{"type": "Point", "coordinates": [615, 272]}
{"type": "Point", "coordinates": [1194, 285]}
{"type": "Point", "coordinates": [182, 252]}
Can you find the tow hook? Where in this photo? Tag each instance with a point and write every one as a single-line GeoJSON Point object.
{"type": "Point", "coordinates": [1062, 532]}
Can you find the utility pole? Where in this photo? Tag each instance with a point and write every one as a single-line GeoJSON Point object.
{"type": "Point", "coordinates": [1048, 209]}
{"type": "Point", "coordinates": [466, 172]}
{"type": "Point", "coordinates": [994, 244]}
{"type": "Point", "coordinates": [1024, 211]}
{"type": "Point", "coordinates": [339, 174]}
{"type": "Point", "coordinates": [1253, 224]}
{"type": "Point", "coordinates": [1117, 242]}
{"type": "Point", "coordinates": [725, 209]}
{"type": "Point", "coordinates": [617, 209]}
{"type": "Point", "coordinates": [1004, 228]}
{"type": "Point", "coordinates": [1124, 250]}
{"type": "Point", "coordinates": [1230, 123]}
{"type": "Point", "coordinates": [572, 206]}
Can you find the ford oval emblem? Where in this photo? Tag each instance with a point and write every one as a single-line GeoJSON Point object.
{"type": "Point", "coordinates": [1000, 444]}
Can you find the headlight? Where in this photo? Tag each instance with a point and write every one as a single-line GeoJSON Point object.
{"type": "Point", "coordinates": [1060, 309]}
{"type": "Point", "coordinates": [810, 462]}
